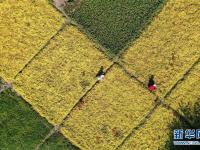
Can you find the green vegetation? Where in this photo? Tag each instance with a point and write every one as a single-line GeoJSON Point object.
{"type": "Point", "coordinates": [21, 128]}
{"type": "Point", "coordinates": [113, 23]}
{"type": "Point", "coordinates": [58, 142]}
{"type": "Point", "coordinates": [192, 113]}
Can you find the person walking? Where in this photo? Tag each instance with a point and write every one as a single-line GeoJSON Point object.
{"type": "Point", "coordinates": [101, 74]}
{"type": "Point", "coordinates": [151, 84]}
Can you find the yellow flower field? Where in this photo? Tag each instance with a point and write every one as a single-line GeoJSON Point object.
{"type": "Point", "coordinates": [25, 26]}
{"type": "Point", "coordinates": [168, 47]}
{"type": "Point", "coordinates": [108, 113]}
{"type": "Point", "coordinates": [153, 134]}
{"type": "Point", "coordinates": [188, 91]}
{"type": "Point", "coordinates": [60, 81]}
{"type": "Point", "coordinates": [61, 74]}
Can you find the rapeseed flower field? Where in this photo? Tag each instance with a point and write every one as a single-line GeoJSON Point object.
{"type": "Point", "coordinates": [25, 27]}
{"type": "Point", "coordinates": [58, 77]}
{"type": "Point", "coordinates": [50, 98]}
{"type": "Point", "coordinates": [109, 112]}
{"type": "Point", "coordinates": [168, 47]}
{"type": "Point", "coordinates": [187, 91]}
{"type": "Point", "coordinates": [153, 134]}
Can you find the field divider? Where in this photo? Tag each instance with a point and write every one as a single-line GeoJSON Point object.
{"type": "Point", "coordinates": [57, 127]}
{"type": "Point", "coordinates": [52, 131]}
{"type": "Point", "coordinates": [4, 86]}
{"type": "Point", "coordinates": [142, 122]}
{"type": "Point", "coordinates": [132, 40]}
{"type": "Point", "coordinates": [182, 78]}
{"type": "Point", "coordinates": [100, 47]}
{"type": "Point", "coordinates": [135, 78]}
{"type": "Point", "coordinates": [158, 100]}
{"type": "Point", "coordinates": [40, 50]}
{"type": "Point", "coordinates": [73, 22]}
{"type": "Point", "coordinates": [182, 117]}
{"type": "Point", "coordinates": [62, 12]}
{"type": "Point", "coordinates": [82, 97]}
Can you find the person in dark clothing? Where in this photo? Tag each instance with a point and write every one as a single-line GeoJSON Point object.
{"type": "Point", "coordinates": [151, 84]}
{"type": "Point", "coordinates": [100, 75]}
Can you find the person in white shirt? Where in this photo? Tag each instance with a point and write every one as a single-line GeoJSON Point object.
{"type": "Point", "coordinates": [101, 74]}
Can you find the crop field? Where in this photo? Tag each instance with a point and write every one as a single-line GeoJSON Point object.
{"type": "Point", "coordinates": [104, 107]}
{"type": "Point", "coordinates": [24, 33]}
{"type": "Point", "coordinates": [61, 74]}
{"type": "Point", "coordinates": [21, 128]}
{"type": "Point", "coordinates": [115, 22]}
{"type": "Point", "coordinates": [51, 51]}
{"type": "Point", "coordinates": [153, 134]}
{"type": "Point", "coordinates": [187, 91]}
{"type": "Point", "coordinates": [168, 47]}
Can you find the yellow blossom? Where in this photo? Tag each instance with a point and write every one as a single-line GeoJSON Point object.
{"type": "Point", "coordinates": [109, 112]}
{"type": "Point", "coordinates": [25, 27]}
{"type": "Point", "coordinates": [58, 77]}
{"type": "Point", "coordinates": [168, 47]}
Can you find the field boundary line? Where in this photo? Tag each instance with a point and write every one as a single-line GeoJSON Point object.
{"type": "Point", "coordinates": [130, 43]}
{"type": "Point", "coordinates": [41, 49]}
{"type": "Point", "coordinates": [131, 75]}
{"type": "Point", "coordinates": [148, 116]}
{"type": "Point", "coordinates": [142, 122]}
{"type": "Point", "coordinates": [58, 127]}
{"type": "Point", "coordinates": [61, 11]}
{"type": "Point", "coordinates": [143, 85]}
{"type": "Point", "coordinates": [51, 132]}
{"type": "Point", "coordinates": [82, 97]}
{"type": "Point", "coordinates": [4, 87]}
{"type": "Point", "coordinates": [161, 102]}
{"type": "Point", "coordinates": [99, 47]}
{"type": "Point", "coordinates": [182, 117]}
{"type": "Point", "coordinates": [182, 78]}
{"type": "Point", "coordinates": [81, 28]}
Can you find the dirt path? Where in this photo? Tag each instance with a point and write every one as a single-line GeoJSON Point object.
{"type": "Point", "coordinates": [4, 85]}
{"type": "Point", "coordinates": [67, 6]}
